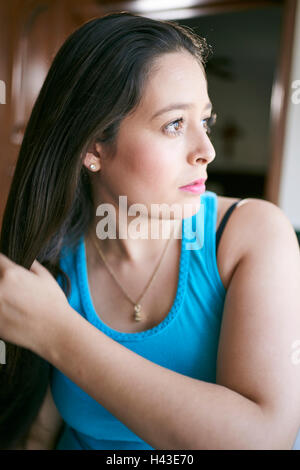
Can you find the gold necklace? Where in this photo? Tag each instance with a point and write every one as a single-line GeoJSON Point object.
{"type": "Point", "coordinates": [137, 305]}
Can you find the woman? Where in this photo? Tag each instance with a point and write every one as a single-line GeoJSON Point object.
{"type": "Point", "coordinates": [157, 344]}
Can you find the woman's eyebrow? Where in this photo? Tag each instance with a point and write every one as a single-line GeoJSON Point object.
{"type": "Point", "coordinates": [170, 107]}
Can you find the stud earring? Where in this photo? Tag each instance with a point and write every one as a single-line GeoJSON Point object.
{"type": "Point", "coordinates": [92, 166]}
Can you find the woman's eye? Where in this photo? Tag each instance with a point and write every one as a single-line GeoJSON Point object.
{"type": "Point", "coordinates": [170, 129]}
{"type": "Point", "coordinates": [176, 127]}
{"type": "Point", "coordinates": [209, 122]}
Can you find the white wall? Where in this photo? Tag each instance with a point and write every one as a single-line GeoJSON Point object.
{"type": "Point", "coordinates": [289, 194]}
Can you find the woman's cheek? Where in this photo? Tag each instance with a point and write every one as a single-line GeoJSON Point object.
{"type": "Point", "coordinates": [148, 162]}
{"type": "Point", "coordinates": [150, 159]}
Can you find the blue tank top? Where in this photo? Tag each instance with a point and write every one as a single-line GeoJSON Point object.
{"type": "Point", "coordinates": [186, 341]}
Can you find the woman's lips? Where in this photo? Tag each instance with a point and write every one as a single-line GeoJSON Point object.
{"type": "Point", "coordinates": [197, 187]}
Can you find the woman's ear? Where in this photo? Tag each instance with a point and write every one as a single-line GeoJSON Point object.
{"type": "Point", "coordinates": [92, 156]}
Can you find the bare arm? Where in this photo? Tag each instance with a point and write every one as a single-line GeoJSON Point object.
{"type": "Point", "coordinates": [255, 402]}
{"type": "Point", "coordinates": [46, 429]}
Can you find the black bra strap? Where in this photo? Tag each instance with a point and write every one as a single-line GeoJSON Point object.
{"type": "Point", "coordinates": [223, 222]}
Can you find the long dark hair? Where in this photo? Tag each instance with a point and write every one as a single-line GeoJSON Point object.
{"type": "Point", "coordinates": [95, 80]}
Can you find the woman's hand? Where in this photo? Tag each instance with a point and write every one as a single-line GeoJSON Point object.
{"type": "Point", "coordinates": [32, 305]}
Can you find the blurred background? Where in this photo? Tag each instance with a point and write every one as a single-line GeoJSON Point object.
{"type": "Point", "coordinates": [251, 72]}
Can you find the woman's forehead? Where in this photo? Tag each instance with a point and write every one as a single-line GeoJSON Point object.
{"type": "Point", "coordinates": [176, 65]}
{"type": "Point", "coordinates": [186, 87]}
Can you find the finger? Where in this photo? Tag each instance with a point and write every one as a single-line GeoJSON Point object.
{"type": "Point", "coordinates": [39, 269]}
{"type": "Point", "coordinates": [5, 263]}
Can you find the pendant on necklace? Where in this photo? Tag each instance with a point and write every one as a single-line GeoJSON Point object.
{"type": "Point", "coordinates": [137, 312]}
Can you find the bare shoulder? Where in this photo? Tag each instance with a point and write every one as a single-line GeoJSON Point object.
{"type": "Point", "coordinates": [251, 224]}
{"type": "Point", "coordinates": [253, 216]}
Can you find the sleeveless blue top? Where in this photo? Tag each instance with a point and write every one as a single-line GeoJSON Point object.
{"type": "Point", "coordinates": [186, 341]}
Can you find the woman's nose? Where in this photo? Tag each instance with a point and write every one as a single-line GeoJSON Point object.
{"type": "Point", "coordinates": [204, 152]}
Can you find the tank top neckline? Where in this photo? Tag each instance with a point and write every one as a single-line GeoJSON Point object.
{"type": "Point", "coordinates": [90, 310]}
{"type": "Point", "coordinates": [86, 298]}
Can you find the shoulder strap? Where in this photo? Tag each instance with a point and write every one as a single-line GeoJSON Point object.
{"type": "Point", "coordinates": [223, 222]}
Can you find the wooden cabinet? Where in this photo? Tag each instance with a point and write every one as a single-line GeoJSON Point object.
{"type": "Point", "coordinates": [31, 33]}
